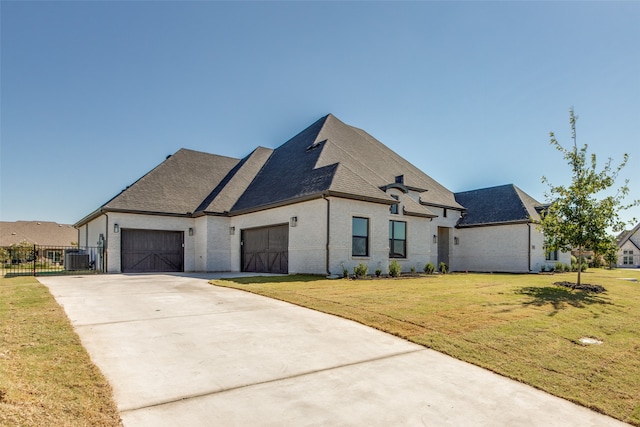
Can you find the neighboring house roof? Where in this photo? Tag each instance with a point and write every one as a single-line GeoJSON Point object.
{"type": "Point", "coordinates": [632, 236]}
{"type": "Point", "coordinates": [327, 158]}
{"type": "Point", "coordinates": [44, 233]}
{"type": "Point", "coordinates": [497, 205]}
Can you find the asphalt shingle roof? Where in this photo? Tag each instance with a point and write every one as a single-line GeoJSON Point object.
{"type": "Point", "coordinates": [332, 157]}
{"type": "Point", "coordinates": [176, 186]}
{"type": "Point", "coordinates": [227, 192]}
{"type": "Point", "coordinates": [44, 233]}
{"type": "Point", "coordinates": [327, 158]}
{"type": "Point", "coordinates": [501, 204]}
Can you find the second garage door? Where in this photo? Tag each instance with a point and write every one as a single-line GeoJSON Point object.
{"type": "Point", "coordinates": [266, 250]}
{"type": "Point", "coordinates": [152, 251]}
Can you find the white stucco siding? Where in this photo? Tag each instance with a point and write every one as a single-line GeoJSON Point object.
{"type": "Point", "coordinates": [148, 222]}
{"type": "Point", "coordinates": [307, 240]}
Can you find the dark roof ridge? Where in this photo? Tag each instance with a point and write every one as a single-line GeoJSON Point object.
{"type": "Point", "coordinates": [528, 202]}
{"type": "Point", "coordinates": [375, 161]}
{"type": "Point", "coordinates": [295, 138]}
{"type": "Point", "coordinates": [231, 188]}
{"type": "Point", "coordinates": [218, 188]}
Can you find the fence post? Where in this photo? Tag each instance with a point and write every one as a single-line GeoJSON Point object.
{"type": "Point", "coordinates": [34, 260]}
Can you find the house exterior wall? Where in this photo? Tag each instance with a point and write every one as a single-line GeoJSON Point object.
{"type": "Point", "coordinates": [145, 222]}
{"type": "Point", "coordinates": [215, 247]}
{"type": "Point", "coordinates": [94, 235]}
{"type": "Point", "coordinates": [213, 244]}
{"type": "Point", "coordinates": [307, 239]}
{"type": "Point", "coordinates": [449, 221]}
{"type": "Point", "coordinates": [626, 247]}
{"type": "Point", "coordinates": [417, 238]}
{"type": "Point", "coordinates": [89, 234]}
{"type": "Point", "coordinates": [493, 248]}
{"type": "Point", "coordinates": [516, 248]}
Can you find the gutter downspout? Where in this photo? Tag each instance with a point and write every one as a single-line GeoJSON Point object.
{"type": "Point", "coordinates": [106, 245]}
{"type": "Point", "coordinates": [529, 249]}
{"type": "Point", "coordinates": [327, 260]}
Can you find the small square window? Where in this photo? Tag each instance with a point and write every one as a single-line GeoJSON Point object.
{"type": "Point", "coordinates": [394, 209]}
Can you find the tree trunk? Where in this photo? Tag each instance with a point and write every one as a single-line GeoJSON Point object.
{"type": "Point", "coordinates": [579, 263]}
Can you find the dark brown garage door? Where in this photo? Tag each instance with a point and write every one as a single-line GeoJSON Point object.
{"type": "Point", "coordinates": [151, 251]}
{"type": "Point", "coordinates": [266, 250]}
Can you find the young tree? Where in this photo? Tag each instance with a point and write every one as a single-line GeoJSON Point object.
{"type": "Point", "coordinates": [580, 215]}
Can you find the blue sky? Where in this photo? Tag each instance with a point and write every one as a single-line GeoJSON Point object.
{"type": "Point", "coordinates": [96, 94]}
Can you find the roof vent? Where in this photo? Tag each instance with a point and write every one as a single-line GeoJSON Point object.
{"type": "Point", "coordinates": [315, 145]}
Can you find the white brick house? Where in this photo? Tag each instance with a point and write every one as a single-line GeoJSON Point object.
{"type": "Point", "coordinates": [326, 200]}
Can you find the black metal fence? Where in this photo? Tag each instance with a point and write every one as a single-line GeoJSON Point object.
{"type": "Point", "coordinates": [38, 260]}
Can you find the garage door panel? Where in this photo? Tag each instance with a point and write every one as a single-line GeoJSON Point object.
{"type": "Point", "coordinates": [148, 251]}
{"type": "Point", "coordinates": [266, 250]}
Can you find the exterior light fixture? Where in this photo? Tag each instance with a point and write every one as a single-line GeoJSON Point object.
{"type": "Point", "coordinates": [435, 239]}
{"type": "Point", "coordinates": [456, 241]}
{"type": "Point", "coordinates": [116, 228]}
{"type": "Point", "coordinates": [190, 231]}
{"type": "Point", "coordinates": [293, 221]}
{"type": "Point", "coordinates": [232, 231]}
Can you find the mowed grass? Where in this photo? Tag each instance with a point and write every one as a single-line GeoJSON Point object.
{"type": "Point", "coordinates": [520, 326]}
{"type": "Point", "coordinates": [46, 376]}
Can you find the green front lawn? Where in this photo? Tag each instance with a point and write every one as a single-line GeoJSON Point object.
{"type": "Point", "coordinates": [46, 376]}
{"type": "Point", "coordinates": [520, 326]}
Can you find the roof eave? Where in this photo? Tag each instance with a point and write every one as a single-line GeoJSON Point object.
{"type": "Point", "coordinates": [491, 224]}
{"type": "Point", "coordinates": [93, 215]}
{"type": "Point", "coordinates": [104, 210]}
{"type": "Point", "coordinates": [419, 214]}
{"type": "Point", "coordinates": [435, 205]}
{"type": "Point", "coordinates": [308, 198]}
{"type": "Point", "coordinates": [274, 204]}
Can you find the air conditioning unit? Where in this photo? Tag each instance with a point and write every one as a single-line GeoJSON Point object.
{"type": "Point", "coordinates": [76, 259]}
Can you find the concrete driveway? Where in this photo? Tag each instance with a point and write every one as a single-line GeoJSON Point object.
{"type": "Point", "coordinates": [180, 352]}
